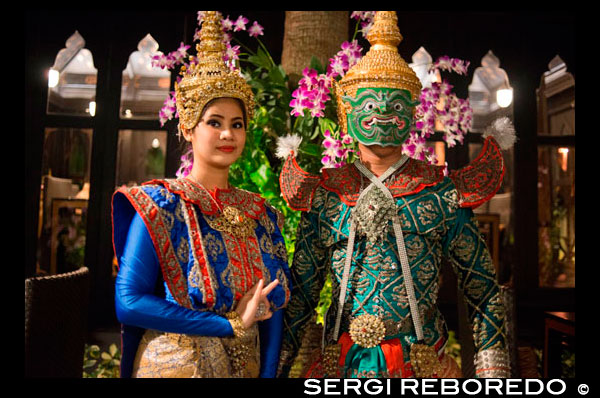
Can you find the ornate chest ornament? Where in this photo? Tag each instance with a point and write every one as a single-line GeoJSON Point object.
{"type": "Point", "coordinates": [372, 214]}
{"type": "Point", "coordinates": [233, 221]}
{"type": "Point", "coordinates": [376, 203]}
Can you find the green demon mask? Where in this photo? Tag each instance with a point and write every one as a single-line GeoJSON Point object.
{"type": "Point", "coordinates": [380, 116]}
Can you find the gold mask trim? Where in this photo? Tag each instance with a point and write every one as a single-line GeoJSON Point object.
{"type": "Point", "coordinates": [382, 65]}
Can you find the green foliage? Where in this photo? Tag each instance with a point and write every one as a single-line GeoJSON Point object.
{"type": "Point", "coordinates": [568, 363]}
{"type": "Point", "coordinates": [98, 364]}
{"type": "Point", "coordinates": [453, 347]}
{"type": "Point", "coordinates": [258, 169]}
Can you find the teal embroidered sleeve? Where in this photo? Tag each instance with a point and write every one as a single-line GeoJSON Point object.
{"type": "Point", "coordinates": [308, 274]}
{"type": "Point", "coordinates": [471, 260]}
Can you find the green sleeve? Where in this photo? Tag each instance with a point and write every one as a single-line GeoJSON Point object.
{"type": "Point", "coordinates": [308, 274]}
{"type": "Point", "coordinates": [472, 263]}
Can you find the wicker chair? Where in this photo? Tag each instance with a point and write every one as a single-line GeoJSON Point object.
{"type": "Point", "coordinates": [56, 310]}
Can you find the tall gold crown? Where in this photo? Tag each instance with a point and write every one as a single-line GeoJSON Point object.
{"type": "Point", "coordinates": [210, 77]}
{"type": "Point", "coordinates": [382, 65]}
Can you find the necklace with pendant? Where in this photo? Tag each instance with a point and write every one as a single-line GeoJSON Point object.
{"type": "Point", "coordinates": [229, 219]}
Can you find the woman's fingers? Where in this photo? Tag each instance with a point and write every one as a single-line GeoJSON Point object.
{"type": "Point", "coordinates": [270, 287]}
{"type": "Point", "coordinates": [253, 289]}
{"type": "Point", "coordinates": [258, 291]}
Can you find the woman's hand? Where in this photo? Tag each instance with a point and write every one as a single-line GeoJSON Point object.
{"type": "Point", "coordinates": [248, 306]}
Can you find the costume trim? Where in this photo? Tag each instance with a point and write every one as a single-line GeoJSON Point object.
{"type": "Point", "coordinates": [251, 203]}
{"type": "Point", "coordinates": [492, 362]}
{"type": "Point", "coordinates": [208, 278]}
{"type": "Point", "coordinates": [412, 178]}
{"type": "Point", "coordinates": [157, 228]}
{"type": "Point", "coordinates": [479, 181]}
{"type": "Point", "coordinates": [297, 186]}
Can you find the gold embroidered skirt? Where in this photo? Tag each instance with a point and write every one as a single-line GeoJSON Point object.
{"type": "Point", "coordinates": [171, 355]}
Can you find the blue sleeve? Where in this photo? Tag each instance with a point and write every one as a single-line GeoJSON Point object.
{"type": "Point", "coordinates": [135, 301]}
{"type": "Point", "coordinates": [270, 344]}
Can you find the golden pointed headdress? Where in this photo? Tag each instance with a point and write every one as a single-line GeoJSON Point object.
{"type": "Point", "coordinates": [382, 65]}
{"type": "Point", "coordinates": [210, 77]}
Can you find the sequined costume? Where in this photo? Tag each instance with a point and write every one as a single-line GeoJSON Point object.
{"type": "Point", "coordinates": [178, 312]}
{"type": "Point", "coordinates": [187, 256]}
{"type": "Point", "coordinates": [356, 230]}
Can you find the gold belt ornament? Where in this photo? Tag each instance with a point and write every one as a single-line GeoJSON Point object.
{"type": "Point", "coordinates": [424, 360]}
{"type": "Point", "coordinates": [367, 330]}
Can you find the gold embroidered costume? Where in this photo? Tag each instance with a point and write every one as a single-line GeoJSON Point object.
{"type": "Point", "coordinates": [187, 255]}
{"type": "Point", "coordinates": [382, 240]}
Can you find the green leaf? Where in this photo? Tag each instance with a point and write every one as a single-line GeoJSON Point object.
{"type": "Point", "coordinates": [277, 75]}
{"type": "Point", "coordinates": [112, 349]}
{"type": "Point", "coordinates": [261, 59]}
{"type": "Point", "coordinates": [89, 363]}
{"type": "Point", "coordinates": [261, 176]}
{"type": "Point", "coordinates": [311, 149]}
{"type": "Point", "coordinates": [316, 64]}
{"type": "Point", "coordinates": [105, 356]}
{"type": "Point", "coordinates": [327, 124]}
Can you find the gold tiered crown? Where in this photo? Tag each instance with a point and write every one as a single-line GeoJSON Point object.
{"type": "Point", "coordinates": [382, 65]}
{"type": "Point", "coordinates": [210, 77]}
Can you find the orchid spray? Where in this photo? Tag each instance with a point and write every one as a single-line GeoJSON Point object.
{"type": "Point", "coordinates": [439, 109]}
{"type": "Point", "coordinates": [312, 97]}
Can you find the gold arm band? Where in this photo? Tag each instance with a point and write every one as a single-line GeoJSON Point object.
{"type": "Point", "coordinates": [239, 331]}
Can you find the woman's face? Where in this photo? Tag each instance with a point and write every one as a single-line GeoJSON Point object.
{"type": "Point", "coordinates": [219, 137]}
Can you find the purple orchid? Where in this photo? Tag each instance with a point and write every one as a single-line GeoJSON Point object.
{"type": "Point", "coordinates": [255, 30]}
{"type": "Point", "coordinates": [240, 23]}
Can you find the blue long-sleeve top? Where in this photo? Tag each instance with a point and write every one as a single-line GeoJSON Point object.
{"type": "Point", "coordinates": [144, 300]}
{"type": "Point", "coordinates": [136, 303]}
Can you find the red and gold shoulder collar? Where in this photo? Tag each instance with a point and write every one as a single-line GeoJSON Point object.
{"type": "Point", "coordinates": [252, 204]}
{"type": "Point", "coordinates": [411, 178]}
{"type": "Point", "coordinates": [476, 183]}
{"type": "Point", "coordinates": [298, 186]}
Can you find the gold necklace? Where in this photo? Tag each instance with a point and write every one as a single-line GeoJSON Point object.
{"type": "Point", "coordinates": [230, 219]}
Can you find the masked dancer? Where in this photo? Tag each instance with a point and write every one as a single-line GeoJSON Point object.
{"type": "Point", "coordinates": [380, 228]}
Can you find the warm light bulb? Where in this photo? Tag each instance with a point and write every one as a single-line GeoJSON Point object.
{"type": "Point", "coordinates": [155, 143]}
{"type": "Point", "coordinates": [564, 156]}
{"type": "Point", "coordinates": [504, 97]}
{"type": "Point", "coordinates": [53, 76]}
{"type": "Point", "coordinates": [92, 108]}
